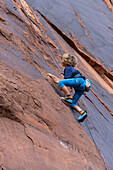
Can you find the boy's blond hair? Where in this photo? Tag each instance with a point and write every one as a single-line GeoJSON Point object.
{"type": "Point", "coordinates": [69, 60]}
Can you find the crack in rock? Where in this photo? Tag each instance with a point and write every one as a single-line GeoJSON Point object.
{"type": "Point", "coordinates": [25, 128]}
{"type": "Point", "coordinates": [1, 166]}
{"type": "Point", "coordinates": [6, 111]}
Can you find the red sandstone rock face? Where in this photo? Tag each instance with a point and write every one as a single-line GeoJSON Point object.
{"type": "Point", "coordinates": [37, 131]}
{"type": "Point", "coordinates": [109, 4]}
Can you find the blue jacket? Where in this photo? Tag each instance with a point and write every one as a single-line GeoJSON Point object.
{"type": "Point", "coordinates": [70, 72]}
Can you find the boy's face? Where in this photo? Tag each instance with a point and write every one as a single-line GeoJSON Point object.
{"type": "Point", "coordinates": [64, 63]}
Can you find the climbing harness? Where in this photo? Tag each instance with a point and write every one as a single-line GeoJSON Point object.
{"type": "Point", "coordinates": [88, 85]}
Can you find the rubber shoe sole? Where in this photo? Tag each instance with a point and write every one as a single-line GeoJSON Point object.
{"type": "Point", "coordinates": [67, 100]}
{"type": "Point", "coordinates": [82, 117]}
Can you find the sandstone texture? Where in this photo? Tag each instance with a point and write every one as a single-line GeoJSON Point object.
{"type": "Point", "coordinates": [37, 131]}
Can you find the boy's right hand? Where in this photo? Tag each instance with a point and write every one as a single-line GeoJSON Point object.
{"type": "Point", "coordinates": [55, 79]}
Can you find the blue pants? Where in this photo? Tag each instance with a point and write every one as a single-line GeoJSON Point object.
{"type": "Point", "coordinates": [78, 84]}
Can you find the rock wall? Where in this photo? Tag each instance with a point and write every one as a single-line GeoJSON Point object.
{"type": "Point", "coordinates": [37, 130]}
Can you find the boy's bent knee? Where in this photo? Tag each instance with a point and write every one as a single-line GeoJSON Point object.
{"type": "Point", "coordinates": [60, 83]}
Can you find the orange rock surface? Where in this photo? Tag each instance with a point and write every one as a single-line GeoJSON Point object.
{"type": "Point", "coordinates": [37, 131]}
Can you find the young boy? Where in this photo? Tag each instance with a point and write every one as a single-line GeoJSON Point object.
{"type": "Point", "coordinates": [72, 78]}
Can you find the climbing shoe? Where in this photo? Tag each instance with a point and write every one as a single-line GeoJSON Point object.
{"type": "Point", "coordinates": [68, 99]}
{"type": "Point", "coordinates": [82, 116]}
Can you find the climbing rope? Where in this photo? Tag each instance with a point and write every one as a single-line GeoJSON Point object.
{"type": "Point", "coordinates": [52, 54]}
{"type": "Point", "coordinates": [39, 14]}
{"type": "Point", "coordinates": [53, 58]}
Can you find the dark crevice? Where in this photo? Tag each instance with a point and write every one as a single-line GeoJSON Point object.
{"type": "Point", "coordinates": [37, 103]}
{"type": "Point", "coordinates": [98, 109]}
{"type": "Point", "coordinates": [2, 20]}
{"type": "Point", "coordinates": [7, 37]}
{"type": "Point", "coordinates": [2, 168]}
{"type": "Point", "coordinates": [109, 4]}
{"type": "Point", "coordinates": [28, 136]}
{"type": "Point", "coordinates": [11, 13]}
{"type": "Point", "coordinates": [102, 103]}
{"type": "Point", "coordinates": [7, 112]}
{"type": "Point", "coordinates": [48, 124]}
{"type": "Point", "coordinates": [110, 28]}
